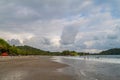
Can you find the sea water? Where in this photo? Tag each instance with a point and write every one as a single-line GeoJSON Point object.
{"type": "Point", "coordinates": [94, 67]}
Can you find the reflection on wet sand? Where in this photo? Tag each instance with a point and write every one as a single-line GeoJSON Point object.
{"type": "Point", "coordinates": [14, 75]}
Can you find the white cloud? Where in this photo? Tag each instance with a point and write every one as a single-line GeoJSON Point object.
{"type": "Point", "coordinates": [20, 36]}
{"type": "Point", "coordinates": [84, 25]}
{"type": "Point", "coordinates": [89, 43]}
{"type": "Point", "coordinates": [22, 12]}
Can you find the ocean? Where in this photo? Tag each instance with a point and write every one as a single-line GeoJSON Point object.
{"type": "Point", "coordinates": [94, 67]}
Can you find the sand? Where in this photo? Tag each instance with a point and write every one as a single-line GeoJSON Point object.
{"type": "Point", "coordinates": [31, 68]}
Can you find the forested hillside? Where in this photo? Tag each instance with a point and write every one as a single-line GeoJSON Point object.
{"type": "Point", "coordinates": [4, 44]}
{"type": "Point", "coordinates": [115, 51]}
{"type": "Point", "coordinates": [19, 50]}
{"type": "Point", "coordinates": [28, 50]}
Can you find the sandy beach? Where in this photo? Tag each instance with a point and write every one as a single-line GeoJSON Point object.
{"type": "Point", "coordinates": [31, 68]}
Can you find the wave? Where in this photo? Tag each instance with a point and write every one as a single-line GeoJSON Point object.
{"type": "Point", "coordinates": [97, 59]}
{"type": "Point", "coordinates": [103, 60]}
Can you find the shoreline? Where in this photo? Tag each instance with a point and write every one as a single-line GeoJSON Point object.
{"type": "Point", "coordinates": [31, 68]}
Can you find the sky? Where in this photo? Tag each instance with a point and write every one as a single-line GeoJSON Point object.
{"type": "Point", "coordinates": [57, 25]}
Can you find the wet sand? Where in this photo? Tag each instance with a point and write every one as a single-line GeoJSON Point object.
{"type": "Point", "coordinates": [31, 68]}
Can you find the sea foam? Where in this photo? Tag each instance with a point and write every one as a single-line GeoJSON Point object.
{"type": "Point", "coordinates": [103, 60]}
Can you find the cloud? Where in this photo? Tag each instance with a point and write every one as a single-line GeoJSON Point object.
{"type": "Point", "coordinates": [45, 43]}
{"type": "Point", "coordinates": [104, 41]}
{"type": "Point", "coordinates": [16, 36]}
{"type": "Point", "coordinates": [113, 4]}
{"type": "Point", "coordinates": [14, 42]}
{"type": "Point", "coordinates": [80, 25]}
{"type": "Point", "coordinates": [68, 35]}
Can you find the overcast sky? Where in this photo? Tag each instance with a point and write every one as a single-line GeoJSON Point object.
{"type": "Point", "coordinates": [56, 25]}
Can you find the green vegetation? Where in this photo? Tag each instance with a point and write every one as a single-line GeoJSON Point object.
{"type": "Point", "coordinates": [69, 53]}
{"type": "Point", "coordinates": [4, 46]}
{"type": "Point", "coordinates": [115, 51]}
{"type": "Point", "coordinates": [27, 50]}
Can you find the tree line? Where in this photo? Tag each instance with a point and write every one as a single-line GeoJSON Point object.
{"type": "Point", "coordinates": [28, 50]}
